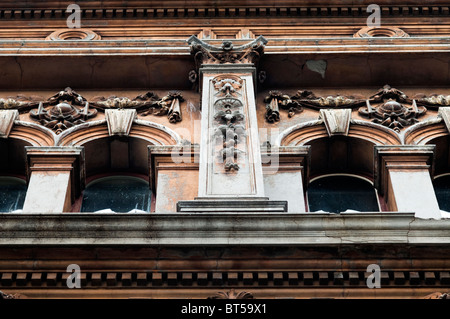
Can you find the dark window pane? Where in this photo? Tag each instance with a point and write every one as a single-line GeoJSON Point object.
{"type": "Point", "coordinates": [337, 194]}
{"type": "Point", "coordinates": [12, 194]}
{"type": "Point", "coordinates": [442, 190]}
{"type": "Point", "coordinates": [120, 194]}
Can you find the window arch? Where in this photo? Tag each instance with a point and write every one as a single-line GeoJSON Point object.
{"type": "Point", "coordinates": [441, 186]}
{"type": "Point", "coordinates": [338, 193]}
{"type": "Point", "coordinates": [12, 194]}
{"type": "Point", "coordinates": [120, 194]}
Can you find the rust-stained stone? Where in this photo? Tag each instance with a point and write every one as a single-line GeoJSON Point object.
{"type": "Point", "coordinates": [430, 278]}
{"type": "Point", "coordinates": [233, 278]}
{"type": "Point", "coordinates": [384, 276]}
{"type": "Point", "coordinates": [111, 278]}
{"type": "Point", "coordinates": [308, 278]}
{"type": "Point", "coordinates": [52, 279]}
{"type": "Point", "coordinates": [186, 279]}
{"type": "Point", "coordinates": [338, 278]}
{"type": "Point", "coordinates": [263, 278]}
{"type": "Point", "coordinates": [6, 279]}
{"type": "Point", "coordinates": [247, 278]}
{"type": "Point", "coordinates": [157, 279]}
{"type": "Point", "coordinates": [127, 279]}
{"type": "Point", "coordinates": [353, 277]}
{"type": "Point", "coordinates": [278, 278]}
{"type": "Point", "coordinates": [96, 279]}
{"type": "Point", "coordinates": [414, 278]}
{"type": "Point", "coordinates": [142, 279]}
{"type": "Point", "coordinates": [21, 279]}
{"type": "Point", "coordinates": [293, 278]}
{"type": "Point", "coordinates": [172, 278]}
{"type": "Point", "coordinates": [36, 278]}
{"type": "Point", "coordinates": [399, 278]}
{"type": "Point", "coordinates": [202, 278]}
{"type": "Point", "coordinates": [217, 278]}
{"type": "Point", "coordinates": [323, 278]}
{"type": "Point", "coordinates": [444, 277]}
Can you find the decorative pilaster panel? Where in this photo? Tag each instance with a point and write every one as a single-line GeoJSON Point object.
{"type": "Point", "coordinates": [230, 171]}
{"type": "Point", "coordinates": [402, 176]}
{"type": "Point", "coordinates": [231, 163]}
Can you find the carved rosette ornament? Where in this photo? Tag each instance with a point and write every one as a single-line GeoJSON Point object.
{"type": "Point", "coordinates": [229, 128]}
{"type": "Point", "coordinates": [63, 110]}
{"type": "Point", "coordinates": [391, 109]}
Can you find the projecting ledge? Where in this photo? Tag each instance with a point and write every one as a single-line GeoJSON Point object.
{"type": "Point", "coordinates": [246, 229]}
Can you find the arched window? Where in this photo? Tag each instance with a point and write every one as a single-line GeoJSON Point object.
{"type": "Point", "coordinates": [442, 190]}
{"type": "Point", "coordinates": [338, 193]}
{"type": "Point", "coordinates": [121, 194]}
{"type": "Point", "coordinates": [12, 194]}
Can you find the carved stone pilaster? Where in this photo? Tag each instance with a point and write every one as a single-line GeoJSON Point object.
{"type": "Point", "coordinates": [230, 171]}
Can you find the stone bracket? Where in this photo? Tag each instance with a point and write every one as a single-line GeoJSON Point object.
{"type": "Point", "coordinates": [59, 158]}
{"type": "Point", "coordinates": [7, 118]}
{"type": "Point", "coordinates": [171, 156]}
{"type": "Point", "coordinates": [120, 121]}
{"type": "Point", "coordinates": [407, 157]}
{"type": "Point", "coordinates": [337, 122]}
{"type": "Point", "coordinates": [287, 158]}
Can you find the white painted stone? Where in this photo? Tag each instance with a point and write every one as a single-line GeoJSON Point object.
{"type": "Point", "coordinates": [286, 186]}
{"type": "Point", "coordinates": [414, 192]}
{"type": "Point", "coordinates": [7, 118]}
{"type": "Point", "coordinates": [120, 121]}
{"type": "Point", "coordinates": [48, 192]}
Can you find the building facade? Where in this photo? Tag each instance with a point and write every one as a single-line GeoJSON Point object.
{"type": "Point", "coordinates": [224, 150]}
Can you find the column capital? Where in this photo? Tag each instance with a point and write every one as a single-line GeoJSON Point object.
{"type": "Point", "coordinates": [227, 53]}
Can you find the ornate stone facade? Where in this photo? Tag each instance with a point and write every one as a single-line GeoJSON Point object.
{"type": "Point", "coordinates": [230, 113]}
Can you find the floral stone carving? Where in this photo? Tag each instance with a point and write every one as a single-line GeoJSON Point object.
{"type": "Point", "coordinates": [63, 110]}
{"type": "Point", "coordinates": [392, 109]}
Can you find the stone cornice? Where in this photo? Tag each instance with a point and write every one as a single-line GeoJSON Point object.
{"type": "Point", "coordinates": [179, 47]}
{"type": "Point", "coordinates": [169, 229]}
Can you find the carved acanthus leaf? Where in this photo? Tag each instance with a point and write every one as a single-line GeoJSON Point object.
{"type": "Point", "coordinates": [205, 53]}
{"type": "Point", "coordinates": [232, 294]}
